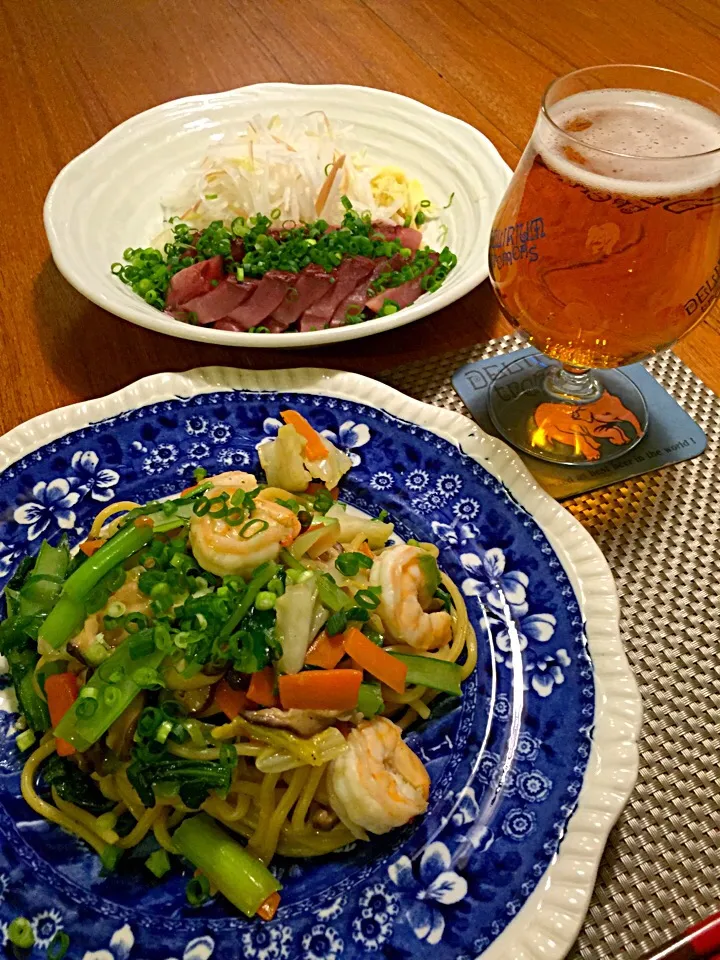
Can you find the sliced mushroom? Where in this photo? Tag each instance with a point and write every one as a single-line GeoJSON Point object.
{"type": "Point", "coordinates": [303, 722]}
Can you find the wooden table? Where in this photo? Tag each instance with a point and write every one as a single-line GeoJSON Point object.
{"type": "Point", "coordinates": [70, 70]}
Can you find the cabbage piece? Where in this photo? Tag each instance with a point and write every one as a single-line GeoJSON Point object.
{"type": "Point", "coordinates": [286, 466]}
{"type": "Point", "coordinates": [320, 618]}
{"type": "Point", "coordinates": [316, 751]}
{"type": "Point", "coordinates": [331, 468]}
{"type": "Point", "coordinates": [316, 541]}
{"type": "Point", "coordinates": [376, 532]}
{"type": "Point", "coordinates": [295, 622]}
{"type": "Point", "coordinates": [328, 567]}
{"type": "Point", "coordinates": [282, 461]}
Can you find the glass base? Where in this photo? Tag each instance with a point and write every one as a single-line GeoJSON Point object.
{"type": "Point", "coordinates": [575, 418]}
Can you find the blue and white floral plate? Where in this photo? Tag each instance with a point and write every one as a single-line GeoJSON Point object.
{"type": "Point", "coordinates": [529, 771]}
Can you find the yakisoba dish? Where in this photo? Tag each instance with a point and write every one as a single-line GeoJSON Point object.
{"type": "Point", "coordinates": [231, 671]}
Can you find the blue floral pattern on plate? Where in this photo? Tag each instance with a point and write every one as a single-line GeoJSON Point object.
{"type": "Point", "coordinates": [506, 762]}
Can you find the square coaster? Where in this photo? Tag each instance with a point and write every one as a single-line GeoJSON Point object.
{"type": "Point", "coordinates": [672, 435]}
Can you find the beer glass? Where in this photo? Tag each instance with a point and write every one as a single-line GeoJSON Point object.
{"type": "Point", "coordinates": [604, 251]}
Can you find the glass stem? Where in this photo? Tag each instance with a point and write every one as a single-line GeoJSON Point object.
{"type": "Point", "coordinates": [573, 384]}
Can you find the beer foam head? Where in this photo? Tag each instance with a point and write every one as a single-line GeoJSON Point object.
{"type": "Point", "coordinates": [635, 142]}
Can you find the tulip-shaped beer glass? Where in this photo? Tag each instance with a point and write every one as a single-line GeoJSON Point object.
{"type": "Point", "coordinates": [604, 251]}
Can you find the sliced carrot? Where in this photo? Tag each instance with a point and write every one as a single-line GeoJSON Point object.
{"type": "Point", "coordinates": [324, 192]}
{"type": "Point", "coordinates": [326, 651]}
{"type": "Point", "coordinates": [365, 549]}
{"type": "Point", "coordinates": [315, 448]}
{"type": "Point", "coordinates": [262, 688]}
{"type": "Point", "coordinates": [320, 690]}
{"type": "Point", "coordinates": [268, 908]}
{"type": "Point", "coordinates": [143, 522]}
{"type": "Point", "coordinates": [230, 701]}
{"type": "Point", "coordinates": [90, 546]}
{"type": "Point", "coordinates": [375, 660]}
{"type": "Point", "coordinates": [61, 690]}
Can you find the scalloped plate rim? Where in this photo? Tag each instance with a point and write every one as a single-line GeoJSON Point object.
{"type": "Point", "coordinates": [560, 900]}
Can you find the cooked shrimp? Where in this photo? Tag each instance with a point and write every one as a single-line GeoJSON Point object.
{"type": "Point", "coordinates": [377, 783]}
{"type": "Point", "coordinates": [133, 601]}
{"type": "Point", "coordinates": [222, 549]}
{"type": "Point", "coordinates": [404, 597]}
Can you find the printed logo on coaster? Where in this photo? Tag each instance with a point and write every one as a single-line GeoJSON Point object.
{"type": "Point", "coordinates": [672, 435]}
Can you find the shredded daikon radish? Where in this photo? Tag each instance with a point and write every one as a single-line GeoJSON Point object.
{"type": "Point", "coordinates": [294, 169]}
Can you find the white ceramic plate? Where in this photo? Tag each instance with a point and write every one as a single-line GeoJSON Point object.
{"type": "Point", "coordinates": [108, 198]}
{"type": "Point", "coordinates": [222, 409]}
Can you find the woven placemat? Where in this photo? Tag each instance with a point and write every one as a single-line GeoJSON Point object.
{"type": "Point", "coordinates": [661, 536]}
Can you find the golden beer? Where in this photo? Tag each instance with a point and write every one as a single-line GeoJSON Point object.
{"type": "Point", "coordinates": [606, 248]}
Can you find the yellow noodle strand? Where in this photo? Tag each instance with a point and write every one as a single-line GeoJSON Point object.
{"type": "Point", "coordinates": [306, 797]}
{"type": "Point", "coordinates": [121, 506]}
{"type": "Point", "coordinates": [316, 843]}
{"type": "Point", "coordinates": [213, 753]}
{"type": "Point", "coordinates": [407, 718]}
{"type": "Point", "coordinates": [275, 824]}
{"type": "Point", "coordinates": [250, 789]}
{"type": "Point", "coordinates": [420, 708]}
{"type": "Point", "coordinates": [411, 694]}
{"type": "Point", "coordinates": [127, 794]}
{"type": "Point", "coordinates": [266, 802]}
{"type": "Point", "coordinates": [462, 626]}
{"type": "Point", "coordinates": [312, 843]}
{"type": "Point", "coordinates": [240, 826]}
{"type": "Point", "coordinates": [140, 829]}
{"type": "Point", "coordinates": [160, 829]}
{"type": "Point", "coordinates": [108, 788]}
{"type": "Point", "coordinates": [47, 810]}
{"type": "Point", "coordinates": [175, 818]}
{"type": "Point", "coordinates": [84, 817]}
{"type": "Point", "coordinates": [222, 810]}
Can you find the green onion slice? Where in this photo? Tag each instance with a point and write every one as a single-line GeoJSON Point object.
{"type": "Point", "coordinates": [198, 890]}
{"type": "Point", "coordinates": [262, 526]}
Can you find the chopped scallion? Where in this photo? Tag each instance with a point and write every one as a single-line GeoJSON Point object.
{"type": "Point", "coordinates": [58, 946]}
{"type": "Point", "coordinates": [197, 890]}
{"type": "Point", "coordinates": [20, 933]}
{"type": "Point", "coordinates": [110, 857]}
{"type": "Point", "coordinates": [164, 731]}
{"type": "Point", "coordinates": [158, 863]}
{"type": "Point", "coordinates": [25, 740]}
